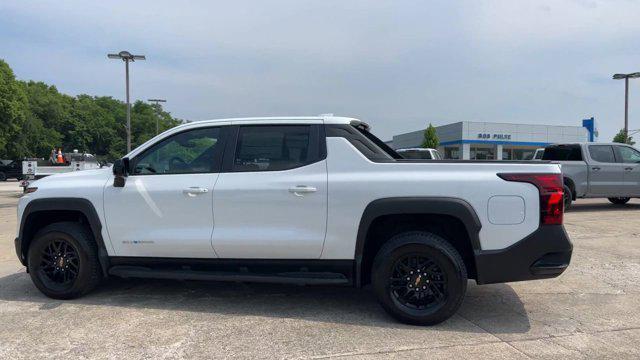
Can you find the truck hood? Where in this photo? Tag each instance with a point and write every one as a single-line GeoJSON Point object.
{"type": "Point", "coordinates": [77, 177]}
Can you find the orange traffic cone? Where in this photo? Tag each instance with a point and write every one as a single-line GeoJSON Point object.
{"type": "Point", "coordinates": [60, 159]}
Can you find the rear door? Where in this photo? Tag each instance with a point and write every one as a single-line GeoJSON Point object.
{"type": "Point", "coordinates": [606, 175]}
{"type": "Point", "coordinates": [271, 200]}
{"type": "Point", "coordinates": [630, 159]}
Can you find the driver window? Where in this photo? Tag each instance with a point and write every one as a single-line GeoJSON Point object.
{"type": "Point", "coordinates": [629, 155]}
{"type": "Point", "coordinates": [188, 152]}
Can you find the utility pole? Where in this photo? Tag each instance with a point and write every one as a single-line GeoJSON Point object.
{"type": "Point", "coordinates": [127, 57]}
{"type": "Point", "coordinates": [157, 102]}
{"type": "Point", "coordinates": [626, 78]}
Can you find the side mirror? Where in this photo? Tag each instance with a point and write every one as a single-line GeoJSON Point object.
{"type": "Point", "coordinates": [120, 170]}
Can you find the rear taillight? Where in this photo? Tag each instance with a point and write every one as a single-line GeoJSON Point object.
{"type": "Point", "coordinates": [551, 194]}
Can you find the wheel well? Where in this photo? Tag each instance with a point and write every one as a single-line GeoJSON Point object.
{"type": "Point", "coordinates": [385, 227]}
{"type": "Point", "coordinates": [571, 186]}
{"type": "Point", "coordinates": [39, 219]}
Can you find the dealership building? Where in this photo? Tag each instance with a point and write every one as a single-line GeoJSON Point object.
{"type": "Point", "coordinates": [470, 140]}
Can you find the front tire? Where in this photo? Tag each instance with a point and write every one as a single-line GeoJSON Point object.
{"type": "Point", "coordinates": [619, 200]}
{"type": "Point", "coordinates": [3, 176]}
{"type": "Point", "coordinates": [63, 261]}
{"type": "Point", "coordinates": [419, 278]}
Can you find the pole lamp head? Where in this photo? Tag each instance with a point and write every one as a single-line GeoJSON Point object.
{"type": "Point", "coordinates": [626, 76]}
{"type": "Point", "coordinates": [126, 56]}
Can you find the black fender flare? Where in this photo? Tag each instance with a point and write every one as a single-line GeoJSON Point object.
{"type": "Point", "coordinates": [450, 206]}
{"type": "Point", "coordinates": [81, 205]}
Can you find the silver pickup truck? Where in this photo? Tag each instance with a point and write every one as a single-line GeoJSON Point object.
{"type": "Point", "coordinates": [597, 170]}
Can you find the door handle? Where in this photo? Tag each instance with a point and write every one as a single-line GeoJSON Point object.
{"type": "Point", "coordinates": [595, 168]}
{"type": "Point", "coordinates": [628, 168]}
{"type": "Point", "coordinates": [302, 189]}
{"type": "Point", "coordinates": [194, 190]}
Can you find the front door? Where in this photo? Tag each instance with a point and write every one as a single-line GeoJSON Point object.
{"type": "Point", "coordinates": [271, 201]}
{"type": "Point", "coordinates": [165, 208]}
{"type": "Point", "coordinates": [630, 159]}
{"type": "Point", "coordinates": [606, 175]}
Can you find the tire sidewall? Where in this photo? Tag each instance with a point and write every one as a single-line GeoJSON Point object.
{"type": "Point", "coordinates": [423, 246]}
{"type": "Point", "coordinates": [568, 197]}
{"type": "Point", "coordinates": [84, 252]}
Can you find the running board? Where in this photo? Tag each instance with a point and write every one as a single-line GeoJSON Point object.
{"type": "Point", "coordinates": [298, 278]}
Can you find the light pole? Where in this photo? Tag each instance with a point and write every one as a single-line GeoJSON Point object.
{"type": "Point", "coordinates": [126, 57]}
{"type": "Point", "coordinates": [157, 102]}
{"type": "Point", "coordinates": [626, 78]}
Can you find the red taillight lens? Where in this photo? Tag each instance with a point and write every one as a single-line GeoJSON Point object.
{"type": "Point", "coordinates": [551, 194]}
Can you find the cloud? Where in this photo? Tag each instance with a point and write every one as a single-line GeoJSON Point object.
{"type": "Point", "coordinates": [396, 64]}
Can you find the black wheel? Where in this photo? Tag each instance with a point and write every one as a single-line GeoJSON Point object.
{"type": "Point", "coordinates": [619, 200]}
{"type": "Point", "coordinates": [63, 261]}
{"type": "Point", "coordinates": [419, 278]}
{"type": "Point", "coordinates": [3, 176]}
{"type": "Point", "coordinates": [568, 197]}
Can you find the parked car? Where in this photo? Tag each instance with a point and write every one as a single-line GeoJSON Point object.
{"type": "Point", "coordinates": [597, 170]}
{"type": "Point", "coordinates": [420, 153]}
{"type": "Point", "coordinates": [311, 200]}
{"type": "Point", "coordinates": [10, 169]}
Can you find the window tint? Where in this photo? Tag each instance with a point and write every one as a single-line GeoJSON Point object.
{"type": "Point", "coordinates": [628, 154]}
{"type": "Point", "coordinates": [365, 142]}
{"type": "Point", "coordinates": [269, 148]}
{"type": "Point", "coordinates": [562, 153]}
{"type": "Point", "coordinates": [415, 154]}
{"type": "Point", "coordinates": [602, 153]}
{"type": "Point", "coordinates": [188, 152]}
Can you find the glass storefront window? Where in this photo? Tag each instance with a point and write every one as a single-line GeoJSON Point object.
{"type": "Point", "coordinates": [481, 153]}
{"type": "Point", "coordinates": [523, 154]}
{"type": "Point", "coordinates": [452, 152]}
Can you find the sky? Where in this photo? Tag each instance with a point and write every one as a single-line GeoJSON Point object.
{"type": "Point", "coordinates": [398, 65]}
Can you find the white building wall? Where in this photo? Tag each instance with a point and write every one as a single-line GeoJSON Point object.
{"type": "Point", "coordinates": [499, 135]}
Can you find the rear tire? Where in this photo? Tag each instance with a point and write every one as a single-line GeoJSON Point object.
{"type": "Point", "coordinates": [619, 200]}
{"type": "Point", "coordinates": [63, 261]}
{"type": "Point", "coordinates": [568, 197]}
{"type": "Point", "coordinates": [437, 278]}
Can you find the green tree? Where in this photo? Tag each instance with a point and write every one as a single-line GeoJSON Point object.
{"type": "Point", "coordinates": [35, 117]}
{"type": "Point", "coordinates": [619, 138]}
{"type": "Point", "coordinates": [430, 138]}
{"type": "Point", "coordinates": [13, 112]}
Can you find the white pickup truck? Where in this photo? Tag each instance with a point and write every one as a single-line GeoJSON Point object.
{"type": "Point", "coordinates": [302, 200]}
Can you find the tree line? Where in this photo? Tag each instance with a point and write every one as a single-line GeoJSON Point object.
{"type": "Point", "coordinates": [35, 118]}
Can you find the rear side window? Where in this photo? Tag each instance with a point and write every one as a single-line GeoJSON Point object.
{"type": "Point", "coordinates": [628, 155]}
{"type": "Point", "coordinates": [367, 144]}
{"type": "Point", "coordinates": [273, 148]}
{"type": "Point", "coordinates": [562, 153]}
{"type": "Point", "coordinates": [602, 153]}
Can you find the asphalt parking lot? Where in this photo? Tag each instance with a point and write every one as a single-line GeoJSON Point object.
{"type": "Point", "coordinates": [591, 311]}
